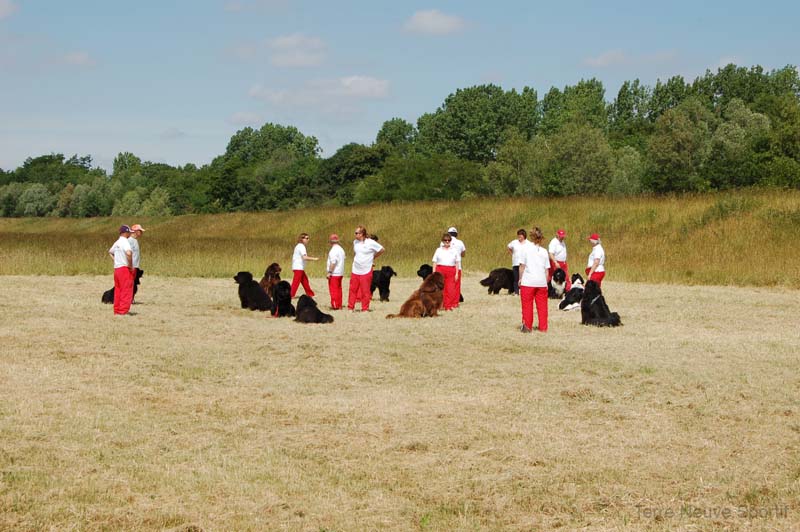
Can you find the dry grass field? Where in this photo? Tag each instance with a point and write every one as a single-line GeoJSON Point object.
{"type": "Point", "coordinates": [195, 414]}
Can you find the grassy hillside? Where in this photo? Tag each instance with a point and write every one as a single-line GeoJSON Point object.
{"type": "Point", "coordinates": [742, 238]}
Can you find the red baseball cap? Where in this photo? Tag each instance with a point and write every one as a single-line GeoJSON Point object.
{"type": "Point", "coordinates": [561, 233]}
{"type": "Point", "coordinates": [594, 236]}
{"type": "Point", "coordinates": [333, 238]}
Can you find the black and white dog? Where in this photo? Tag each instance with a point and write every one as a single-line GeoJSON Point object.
{"type": "Point", "coordinates": [555, 288]}
{"type": "Point", "coordinates": [594, 310]}
{"type": "Point", "coordinates": [572, 299]}
{"type": "Point", "coordinates": [380, 280]}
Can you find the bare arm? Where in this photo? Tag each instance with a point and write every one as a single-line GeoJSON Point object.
{"type": "Point", "coordinates": [595, 264]}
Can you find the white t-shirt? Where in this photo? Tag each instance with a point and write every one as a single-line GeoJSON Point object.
{"type": "Point", "coordinates": [597, 253]}
{"type": "Point", "coordinates": [537, 262]}
{"type": "Point", "coordinates": [335, 263]}
{"type": "Point", "coordinates": [447, 257]}
{"type": "Point", "coordinates": [297, 257]}
{"type": "Point", "coordinates": [363, 255]}
{"type": "Point", "coordinates": [134, 242]}
{"type": "Point", "coordinates": [119, 249]}
{"type": "Point", "coordinates": [558, 249]}
{"type": "Point", "coordinates": [516, 248]}
{"type": "Point", "coordinates": [458, 245]}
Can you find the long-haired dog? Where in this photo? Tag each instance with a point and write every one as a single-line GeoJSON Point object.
{"type": "Point", "coordinates": [282, 302]}
{"type": "Point", "coordinates": [425, 301]}
{"type": "Point", "coordinates": [307, 311]}
{"type": "Point", "coordinates": [572, 299]}
{"type": "Point", "coordinates": [557, 284]}
{"type": "Point", "coordinates": [594, 310]}
{"type": "Point", "coordinates": [380, 280]}
{"type": "Point", "coordinates": [499, 279]}
{"type": "Point", "coordinates": [272, 276]}
{"type": "Point", "coordinates": [251, 295]}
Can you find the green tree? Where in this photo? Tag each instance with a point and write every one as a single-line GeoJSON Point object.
{"type": "Point", "coordinates": [679, 148]}
{"type": "Point", "coordinates": [470, 123]}
{"type": "Point", "coordinates": [580, 161]}
{"type": "Point", "coordinates": [580, 104]}
{"type": "Point", "coordinates": [64, 200]}
{"type": "Point", "coordinates": [666, 96]}
{"type": "Point", "coordinates": [126, 163]}
{"type": "Point", "coordinates": [351, 163]}
{"type": "Point", "coordinates": [157, 204]}
{"type": "Point", "coordinates": [628, 116]}
{"type": "Point", "coordinates": [129, 204]}
{"type": "Point", "coordinates": [397, 136]}
{"type": "Point", "coordinates": [739, 148]}
{"type": "Point", "coordinates": [9, 198]}
{"type": "Point", "coordinates": [36, 200]}
{"type": "Point", "coordinates": [627, 173]}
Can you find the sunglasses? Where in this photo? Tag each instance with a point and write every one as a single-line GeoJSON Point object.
{"type": "Point", "coordinates": [446, 241]}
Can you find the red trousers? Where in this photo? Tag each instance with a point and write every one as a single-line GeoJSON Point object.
{"type": "Point", "coordinates": [301, 277]}
{"type": "Point", "coordinates": [450, 292]}
{"type": "Point", "coordinates": [596, 276]}
{"type": "Point", "coordinates": [335, 289]}
{"type": "Point", "coordinates": [360, 290]}
{"type": "Point", "coordinates": [123, 289]}
{"type": "Point", "coordinates": [529, 295]}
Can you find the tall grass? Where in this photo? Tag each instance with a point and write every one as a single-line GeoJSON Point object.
{"type": "Point", "coordinates": [744, 237]}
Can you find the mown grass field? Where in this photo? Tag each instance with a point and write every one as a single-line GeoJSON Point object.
{"type": "Point", "coordinates": [740, 238]}
{"type": "Point", "coordinates": [197, 415]}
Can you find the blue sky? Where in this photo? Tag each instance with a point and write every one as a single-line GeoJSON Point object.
{"type": "Point", "coordinates": [171, 81]}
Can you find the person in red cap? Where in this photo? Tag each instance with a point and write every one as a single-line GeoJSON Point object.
{"type": "Point", "coordinates": [133, 240]}
{"type": "Point", "coordinates": [334, 269]}
{"type": "Point", "coordinates": [123, 272]}
{"type": "Point", "coordinates": [596, 267]}
{"type": "Point", "coordinates": [558, 257]}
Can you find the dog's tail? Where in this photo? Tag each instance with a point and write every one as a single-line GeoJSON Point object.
{"type": "Point", "coordinates": [614, 320]}
{"type": "Point", "coordinates": [389, 316]}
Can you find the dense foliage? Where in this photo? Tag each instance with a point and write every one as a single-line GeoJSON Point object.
{"type": "Point", "coordinates": [737, 127]}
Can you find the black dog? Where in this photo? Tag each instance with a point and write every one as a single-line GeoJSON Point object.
{"type": "Point", "coordinates": [307, 311]}
{"type": "Point", "coordinates": [282, 295]}
{"type": "Point", "coordinates": [380, 280]}
{"type": "Point", "coordinates": [572, 299]}
{"type": "Point", "coordinates": [426, 269]}
{"type": "Point", "coordinates": [108, 295]}
{"type": "Point", "coordinates": [499, 279]}
{"type": "Point", "coordinates": [555, 288]}
{"type": "Point", "coordinates": [251, 295]}
{"type": "Point", "coordinates": [594, 310]}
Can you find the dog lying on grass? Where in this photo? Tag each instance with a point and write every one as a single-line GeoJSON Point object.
{"type": "Point", "coordinates": [572, 299]}
{"type": "Point", "coordinates": [307, 311]}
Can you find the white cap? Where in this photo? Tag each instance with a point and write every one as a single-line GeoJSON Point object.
{"type": "Point", "coordinates": [452, 230]}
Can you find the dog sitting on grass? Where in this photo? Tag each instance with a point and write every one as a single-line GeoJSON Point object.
{"type": "Point", "coordinates": [282, 304]}
{"type": "Point", "coordinates": [251, 295]}
{"type": "Point", "coordinates": [594, 310]}
{"type": "Point", "coordinates": [425, 301]}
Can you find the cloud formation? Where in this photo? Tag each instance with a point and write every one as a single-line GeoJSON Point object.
{"type": "Point", "coordinates": [7, 8]}
{"type": "Point", "coordinates": [297, 50]}
{"type": "Point", "coordinates": [434, 22]}
{"type": "Point", "coordinates": [324, 93]}
{"type": "Point", "coordinates": [615, 58]}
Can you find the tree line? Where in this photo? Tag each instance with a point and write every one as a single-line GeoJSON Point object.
{"type": "Point", "coordinates": [737, 127]}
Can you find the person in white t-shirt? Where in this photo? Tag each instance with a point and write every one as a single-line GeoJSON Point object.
{"type": "Point", "coordinates": [596, 266]}
{"type": "Point", "coordinates": [558, 256]}
{"type": "Point", "coordinates": [533, 266]}
{"type": "Point", "coordinates": [365, 251]}
{"type": "Point", "coordinates": [299, 258]}
{"type": "Point", "coordinates": [448, 261]}
{"type": "Point", "coordinates": [515, 248]}
{"type": "Point", "coordinates": [123, 272]}
{"type": "Point", "coordinates": [457, 245]}
{"type": "Point", "coordinates": [334, 268]}
{"type": "Point", "coordinates": [137, 254]}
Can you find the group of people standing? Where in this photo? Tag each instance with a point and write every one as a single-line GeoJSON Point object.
{"type": "Point", "coordinates": [533, 267]}
{"type": "Point", "coordinates": [365, 251]}
{"type": "Point", "coordinates": [446, 259]}
{"type": "Point", "coordinates": [127, 256]}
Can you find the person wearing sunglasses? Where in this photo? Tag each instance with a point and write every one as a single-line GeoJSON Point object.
{"type": "Point", "coordinates": [447, 261]}
{"type": "Point", "coordinates": [365, 251]}
{"type": "Point", "coordinates": [299, 258]}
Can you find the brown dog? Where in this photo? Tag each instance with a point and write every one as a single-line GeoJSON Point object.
{"type": "Point", "coordinates": [272, 276]}
{"type": "Point", "coordinates": [425, 301]}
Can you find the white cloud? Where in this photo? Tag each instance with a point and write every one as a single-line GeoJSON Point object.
{"type": "Point", "coordinates": [607, 59]}
{"type": "Point", "coordinates": [76, 59]}
{"type": "Point", "coordinates": [434, 22]}
{"type": "Point", "coordinates": [325, 93]}
{"type": "Point", "coordinates": [244, 118]}
{"type": "Point", "coordinates": [7, 8]}
{"type": "Point", "coordinates": [615, 58]}
{"type": "Point", "coordinates": [297, 50]}
{"type": "Point", "coordinates": [173, 133]}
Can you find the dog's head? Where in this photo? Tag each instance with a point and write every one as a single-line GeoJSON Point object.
{"type": "Point", "coordinates": [243, 277]}
{"type": "Point", "coordinates": [283, 291]}
{"type": "Point", "coordinates": [576, 277]}
{"type": "Point", "coordinates": [305, 301]}
{"type": "Point", "coordinates": [425, 270]}
{"type": "Point", "coordinates": [387, 271]}
{"type": "Point", "coordinates": [433, 282]}
{"type": "Point", "coordinates": [273, 271]}
{"type": "Point", "coordinates": [591, 290]}
{"type": "Point", "coordinates": [559, 276]}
